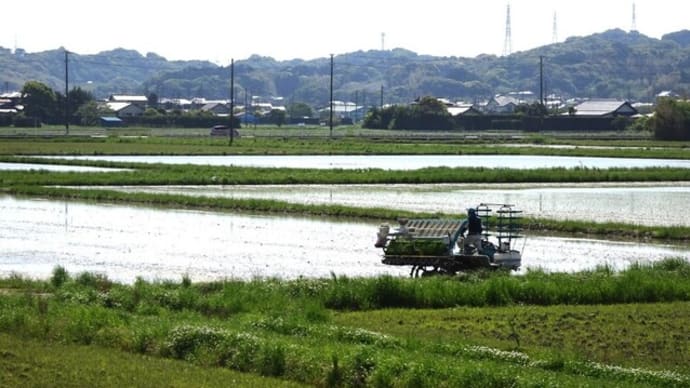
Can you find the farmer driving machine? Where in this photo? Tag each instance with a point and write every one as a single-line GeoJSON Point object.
{"type": "Point", "coordinates": [436, 246]}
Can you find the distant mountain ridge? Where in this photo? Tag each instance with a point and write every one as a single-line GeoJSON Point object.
{"type": "Point", "coordinates": [611, 64]}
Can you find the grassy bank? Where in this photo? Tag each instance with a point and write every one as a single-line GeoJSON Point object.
{"type": "Point", "coordinates": [532, 330]}
{"type": "Point", "coordinates": [32, 363]}
{"type": "Point", "coordinates": [385, 145]}
{"type": "Point", "coordinates": [590, 228]}
{"type": "Point", "coordinates": [171, 174]}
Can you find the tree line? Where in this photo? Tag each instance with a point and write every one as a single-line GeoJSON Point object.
{"type": "Point", "coordinates": [670, 121]}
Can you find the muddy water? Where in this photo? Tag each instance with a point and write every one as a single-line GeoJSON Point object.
{"type": "Point", "coordinates": [646, 204]}
{"type": "Point", "coordinates": [124, 242]}
{"type": "Point", "coordinates": [398, 162]}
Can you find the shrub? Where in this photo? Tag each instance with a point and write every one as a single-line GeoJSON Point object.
{"type": "Point", "coordinates": [272, 360]}
{"type": "Point", "coordinates": [671, 120]}
{"type": "Point", "coordinates": [96, 281]}
{"type": "Point", "coordinates": [59, 277]}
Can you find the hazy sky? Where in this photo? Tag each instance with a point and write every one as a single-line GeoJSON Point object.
{"type": "Point", "coordinates": [285, 29]}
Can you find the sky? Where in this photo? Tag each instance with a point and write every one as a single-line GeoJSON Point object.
{"type": "Point", "coordinates": [287, 29]}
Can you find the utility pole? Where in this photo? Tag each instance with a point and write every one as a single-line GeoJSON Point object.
{"type": "Point", "coordinates": [356, 113]}
{"type": "Point", "coordinates": [231, 134]}
{"type": "Point", "coordinates": [381, 105]}
{"type": "Point", "coordinates": [330, 121]}
{"type": "Point", "coordinates": [541, 79]}
{"type": "Point", "coordinates": [364, 103]}
{"type": "Point", "coordinates": [246, 107]}
{"type": "Point", "coordinates": [66, 93]}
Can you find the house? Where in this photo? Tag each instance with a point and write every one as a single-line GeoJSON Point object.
{"type": "Point", "coordinates": [218, 109]}
{"type": "Point", "coordinates": [506, 103]}
{"type": "Point", "coordinates": [125, 109]}
{"type": "Point", "coordinates": [175, 103]}
{"type": "Point", "coordinates": [348, 111]}
{"type": "Point", "coordinates": [15, 97]}
{"type": "Point", "coordinates": [10, 103]}
{"type": "Point", "coordinates": [605, 108]}
{"type": "Point", "coordinates": [667, 94]}
{"type": "Point", "coordinates": [463, 110]}
{"type": "Point", "coordinates": [6, 103]}
{"type": "Point", "coordinates": [142, 101]}
{"type": "Point", "coordinates": [110, 122]}
{"type": "Point", "coordinates": [501, 104]}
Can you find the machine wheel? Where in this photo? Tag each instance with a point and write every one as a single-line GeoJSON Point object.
{"type": "Point", "coordinates": [429, 272]}
{"type": "Point", "coordinates": [422, 271]}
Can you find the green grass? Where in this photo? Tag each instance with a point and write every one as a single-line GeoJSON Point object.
{"type": "Point", "coordinates": [291, 143]}
{"type": "Point", "coordinates": [623, 334]}
{"type": "Point", "coordinates": [32, 363]}
{"type": "Point", "coordinates": [594, 328]}
{"type": "Point", "coordinates": [152, 174]}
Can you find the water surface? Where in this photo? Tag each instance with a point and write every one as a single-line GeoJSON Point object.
{"type": "Point", "coordinates": [396, 162]}
{"type": "Point", "coordinates": [124, 242]}
{"type": "Point", "coordinates": [659, 204]}
{"type": "Point", "coordinates": [52, 167]}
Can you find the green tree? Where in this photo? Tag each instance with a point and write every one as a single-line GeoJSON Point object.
{"type": "Point", "coordinates": [150, 112]}
{"type": "Point", "coordinates": [277, 117]}
{"type": "Point", "coordinates": [77, 98]}
{"type": "Point", "coordinates": [300, 109]}
{"type": "Point", "coordinates": [373, 119]}
{"type": "Point", "coordinates": [152, 100]}
{"type": "Point", "coordinates": [39, 101]}
{"type": "Point", "coordinates": [431, 105]}
{"type": "Point", "coordinates": [671, 120]}
{"type": "Point", "coordinates": [90, 113]}
{"type": "Point", "coordinates": [534, 109]}
{"type": "Point", "coordinates": [428, 113]}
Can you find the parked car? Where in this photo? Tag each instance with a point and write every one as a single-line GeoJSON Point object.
{"type": "Point", "coordinates": [224, 130]}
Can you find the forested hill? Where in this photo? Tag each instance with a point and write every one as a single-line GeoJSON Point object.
{"type": "Point", "coordinates": [609, 64]}
{"type": "Point", "coordinates": [105, 73]}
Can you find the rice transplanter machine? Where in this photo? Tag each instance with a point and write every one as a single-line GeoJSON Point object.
{"type": "Point", "coordinates": [437, 246]}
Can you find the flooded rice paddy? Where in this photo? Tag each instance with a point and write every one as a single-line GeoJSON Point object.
{"type": "Point", "coordinates": [124, 242]}
{"type": "Point", "coordinates": [397, 162]}
{"type": "Point", "coordinates": [52, 167]}
{"type": "Point", "coordinates": [658, 204]}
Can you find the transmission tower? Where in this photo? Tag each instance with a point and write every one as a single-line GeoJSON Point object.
{"type": "Point", "coordinates": [554, 35]}
{"type": "Point", "coordinates": [508, 43]}
{"type": "Point", "coordinates": [383, 40]}
{"type": "Point", "coordinates": [633, 27]}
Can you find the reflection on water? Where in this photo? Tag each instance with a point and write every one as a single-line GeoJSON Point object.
{"type": "Point", "coordinates": [52, 167]}
{"type": "Point", "coordinates": [125, 242]}
{"type": "Point", "coordinates": [645, 204]}
{"type": "Point", "coordinates": [396, 162]}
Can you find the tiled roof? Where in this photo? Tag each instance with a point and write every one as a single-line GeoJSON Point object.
{"type": "Point", "coordinates": [599, 107]}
